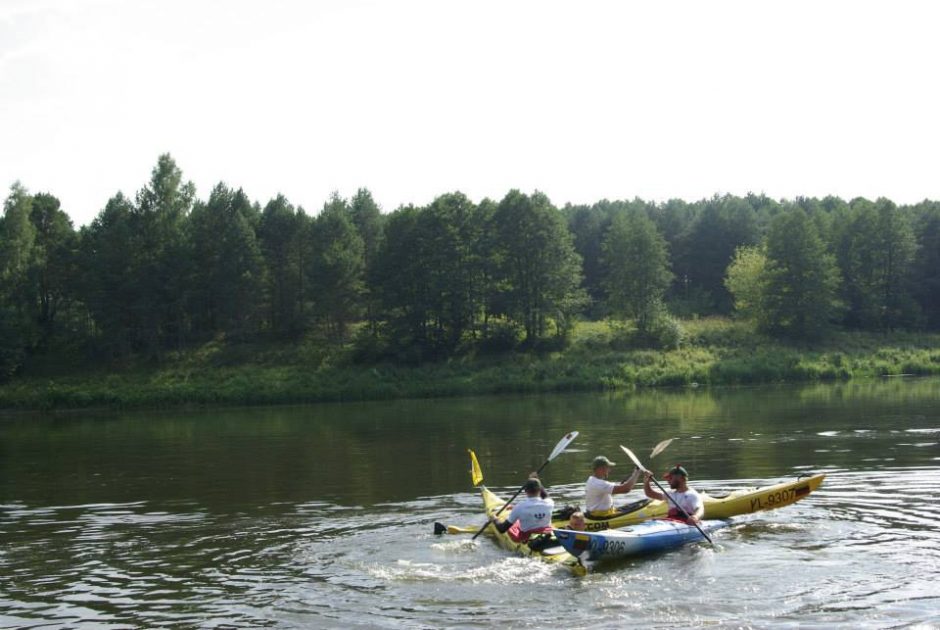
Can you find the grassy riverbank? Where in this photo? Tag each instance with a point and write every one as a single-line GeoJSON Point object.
{"type": "Point", "coordinates": [715, 352]}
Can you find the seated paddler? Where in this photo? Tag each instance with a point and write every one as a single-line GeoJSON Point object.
{"type": "Point", "coordinates": [598, 491]}
{"type": "Point", "coordinates": [681, 495]}
{"type": "Point", "coordinates": [532, 515]}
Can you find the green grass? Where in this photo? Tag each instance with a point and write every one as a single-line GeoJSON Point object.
{"type": "Point", "coordinates": [715, 352]}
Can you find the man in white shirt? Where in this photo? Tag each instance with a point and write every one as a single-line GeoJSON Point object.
{"type": "Point", "coordinates": [534, 512]}
{"type": "Point", "coordinates": [693, 507]}
{"type": "Point", "coordinates": [598, 492]}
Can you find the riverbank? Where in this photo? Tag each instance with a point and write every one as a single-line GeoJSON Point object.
{"type": "Point", "coordinates": [714, 352]}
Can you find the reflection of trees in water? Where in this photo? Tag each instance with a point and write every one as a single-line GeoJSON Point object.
{"type": "Point", "coordinates": [238, 460]}
{"type": "Point", "coordinates": [881, 390]}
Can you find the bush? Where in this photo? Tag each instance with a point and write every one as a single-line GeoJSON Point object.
{"type": "Point", "coordinates": [667, 333]}
{"type": "Point", "coordinates": [501, 337]}
{"type": "Point", "coordinates": [368, 348]}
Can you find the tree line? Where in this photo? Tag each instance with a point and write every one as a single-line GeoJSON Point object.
{"type": "Point", "coordinates": [164, 269]}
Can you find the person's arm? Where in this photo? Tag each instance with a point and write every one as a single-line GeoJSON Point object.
{"type": "Point", "coordinates": [652, 494]}
{"type": "Point", "coordinates": [699, 512]}
{"type": "Point", "coordinates": [627, 485]}
{"type": "Point", "coordinates": [504, 525]}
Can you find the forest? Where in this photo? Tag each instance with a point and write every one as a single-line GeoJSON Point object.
{"type": "Point", "coordinates": [165, 270]}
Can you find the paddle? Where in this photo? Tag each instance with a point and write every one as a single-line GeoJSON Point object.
{"type": "Point", "coordinates": [659, 448]}
{"type": "Point", "coordinates": [559, 448]}
{"type": "Point", "coordinates": [666, 494]}
{"type": "Point", "coordinates": [440, 528]}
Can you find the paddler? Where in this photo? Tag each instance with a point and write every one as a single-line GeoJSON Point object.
{"type": "Point", "coordinates": [687, 498]}
{"type": "Point", "coordinates": [598, 492]}
{"type": "Point", "coordinates": [534, 512]}
{"type": "Point", "coordinates": [577, 522]}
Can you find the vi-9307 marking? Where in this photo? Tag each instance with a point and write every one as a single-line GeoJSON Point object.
{"type": "Point", "coordinates": [778, 498]}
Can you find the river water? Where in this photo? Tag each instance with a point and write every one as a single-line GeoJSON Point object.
{"type": "Point", "coordinates": [321, 516]}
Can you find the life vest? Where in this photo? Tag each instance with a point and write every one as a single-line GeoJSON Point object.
{"type": "Point", "coordinates": [519, 536]}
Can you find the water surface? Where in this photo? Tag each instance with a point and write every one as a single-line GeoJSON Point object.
{"type": "Point", "coordinates": [321, 516]}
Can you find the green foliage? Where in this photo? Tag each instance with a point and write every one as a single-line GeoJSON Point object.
{"type": "Point", "coordinates": [744, 280]}
{"type": "Point", "coordinates": [370, 224]}
{"type": "Point", "coordinates": [160, 271]}
{"type": "Point", "coordinates": [663, 332]}
{"type": "Point", "coordinates": [137, 261]}
{"type": "Point", "coordinates": [55, 270]}
{"type": "Point", "coordinates": [109, 287]}
{"type": "Point", "coordinates": [798, 294]}
{"type": "Point", "coordinates": [637, 270]}
{"type": "Point", "coordinates": [401, 278]}
{"type": "Point", "coordinates": [717, 352]}
{"type": "Point", "coordinates": [337, 267]}
{"type": "Point", "coordinates": [227, 266]}
{"type": "Point", "coordinates": [18, 260]}
{"type": "Point", "coordinates": [588, 225]}
{"type": "Point", "coordinates": [876, 250]}
{"type": "Point", "coordinates": [448, 230]}
{"type": "Point", "coordinates": [666, 332]}
{"type": "Point", "coordinates": [722, 225]}
{"type": "Point", "coordinates": [538, 267]}
{"type": "Point", "coordinates": [280, 235]}
{"type": "Point", "coordinates": [367, 217]}
{"type": "Point", "coordinates": [926, 267]}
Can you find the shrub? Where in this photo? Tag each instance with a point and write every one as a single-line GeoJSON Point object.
{"type": "Point", "coordinates": [667, 332]}
{"type": "Point", "coordinates": [501, 337]}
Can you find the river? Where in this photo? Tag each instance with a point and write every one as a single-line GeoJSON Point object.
{"type": "Point", "coordinates": [321, 516]}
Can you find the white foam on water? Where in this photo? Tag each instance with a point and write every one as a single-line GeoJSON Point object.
{"type": "Point", "coordinates": [511, 570]}
{"type": "Point", "coordinates": [456, 546]}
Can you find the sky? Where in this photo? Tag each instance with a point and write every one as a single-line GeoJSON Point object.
{"type": "Point", "coordinates": [410, 99]}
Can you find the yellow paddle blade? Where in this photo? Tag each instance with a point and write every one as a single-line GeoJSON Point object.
{"type": "Point", "coordinates": [457, 529]}
{"type": "Point", "coordinates": [476, 475]}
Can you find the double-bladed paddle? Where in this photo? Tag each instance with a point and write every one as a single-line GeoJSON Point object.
{"type": "Point", "coordinates": [637, 463]}
{"type": "Point", "coordinates": [559, 448]}
{"type": "Point", "coordinates": [659, 448]}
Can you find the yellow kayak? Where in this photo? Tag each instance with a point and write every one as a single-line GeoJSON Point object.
{"type": "Point", "coordinates": [555, 555]}
{"type": "Point", "coordinates": [739, 502]}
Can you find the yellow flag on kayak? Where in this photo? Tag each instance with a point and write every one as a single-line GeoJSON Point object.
{"type": "Point", "coordinates": [476, 475]}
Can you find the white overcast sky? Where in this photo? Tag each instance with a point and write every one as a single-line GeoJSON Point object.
{"type": "Point", "coordinates": [582, 100]}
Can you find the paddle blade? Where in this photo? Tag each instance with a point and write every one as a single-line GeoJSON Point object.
{"type": "Point", "coordinates": [457, 529]}
{"type": "Point", "coordinates": [659, 448]}
{"type": "Point", "coordinates": [562, 445]}
{"type": "Point", "coordinates": [633, 458]}
{"type": "Point", "coordinates": [476, 475]}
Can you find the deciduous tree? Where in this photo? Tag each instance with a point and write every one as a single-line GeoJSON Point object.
{"type": "Point", "coordinates": [800, 291]}
{"type": "Point", "coordinates": [636, 261]}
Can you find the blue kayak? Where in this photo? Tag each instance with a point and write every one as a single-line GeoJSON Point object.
{"type": "Point", "coordinates": [642, 538]}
